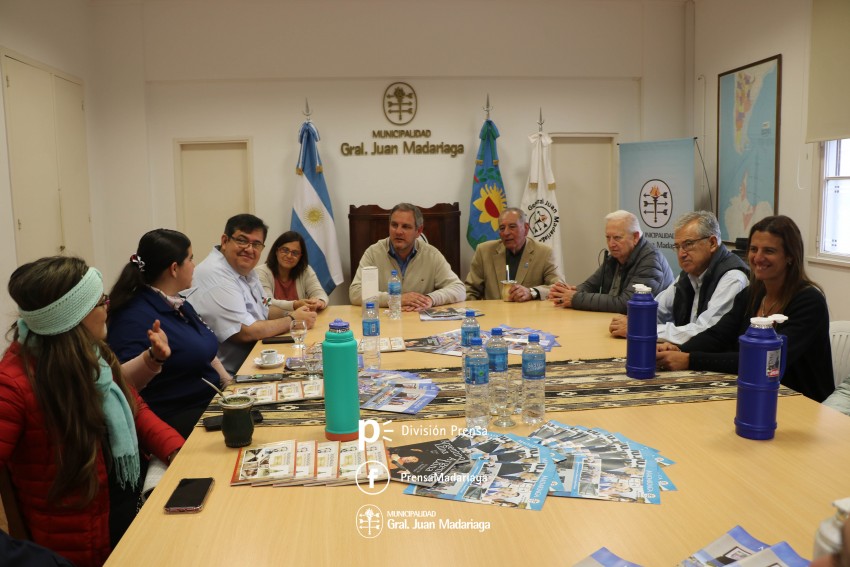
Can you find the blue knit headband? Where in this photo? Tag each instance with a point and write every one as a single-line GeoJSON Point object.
{"type": "Point", "coordinates": [66, 312]}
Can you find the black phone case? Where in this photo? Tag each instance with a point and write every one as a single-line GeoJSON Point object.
{"type": "Point", "coordinates": [189, 496]}
{"type": "Point", "coordinates": [213, 422]}
{"type": "Point", "coordinates": [278, 340]}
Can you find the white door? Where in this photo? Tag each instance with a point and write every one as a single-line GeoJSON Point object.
{"type": "Point", "coordinates": [214, 183]}
{"type": "Point", "coordinates": [30, 123]}
{"type": "Point", "coordinates": [584, 180]}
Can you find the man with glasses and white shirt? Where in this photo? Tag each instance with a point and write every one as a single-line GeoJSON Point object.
{"type": "Point", "coordinates": [711, 278]}
{"type": "Point", "coordinates": [227, 293]}
{"type": "Point", "coordinates": [633, 259]}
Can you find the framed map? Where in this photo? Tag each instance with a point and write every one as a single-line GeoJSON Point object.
{"type": "Point", "coordinates": [747, 145]}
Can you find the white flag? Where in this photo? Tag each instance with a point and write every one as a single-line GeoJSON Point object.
{"type": "Point", "coordinates": [539, 200]}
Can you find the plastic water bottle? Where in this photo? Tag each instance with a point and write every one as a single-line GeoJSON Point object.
{"type": "Point", "coordinates": [394, 291]}
{"type": "Point", "coordinates": [497, 354]}
{"type": "Point", "coordinates": [371, 339]}
{"type": "Point", "coordinates": [342, 395]}
{"type": "Point", "coordinates": [469, 329]}
{"type": "Point", "coordinates": [533, 381]}
{"type": "Point", "coordinates": [476, 375]}
{"type": "Point", "coordinates": [828, 538]}
{"type": "Point", "coordinates": [642, 333]}
{"type": "Point", "coordinates": [761, 364]}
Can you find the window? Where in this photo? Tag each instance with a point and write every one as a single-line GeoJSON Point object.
{"type": "Point", "coordinates": [835, 201]}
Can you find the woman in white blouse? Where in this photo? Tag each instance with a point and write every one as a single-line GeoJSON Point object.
{"type": "Point", "coordinates": [288, 279]}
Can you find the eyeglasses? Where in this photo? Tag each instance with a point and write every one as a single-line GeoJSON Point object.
{"type": "Point", "coordinates": [688, 245]}
{"type": "Point", "coordinates": [104, 301]}
{"type": "Point", "coordinates": [287, 252]}
{"type": "Point", "coordinates": [243, 242]}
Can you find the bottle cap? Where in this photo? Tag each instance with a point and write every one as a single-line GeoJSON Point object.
{"type": "Point", "coordinates": [843, 506]}
{"type": "Point", "coordinates": [470, 312]}
{"type": "Point", "coordinates": [370, 305]}
{"type": "Point", "coordinates": [534, 338]}
{"type": "Point", "coordinates": [339, 326]}
{"type": "Point", "coordinates": [766, 322]}
{"type": "Point", "coordinates": [475, 341]}
{"type": "Point", "coordinates": [394, 272]}
{"type": "Point", "coordinates": [496, 331]}
{"type": "Point", "coordinates": [640, 288]}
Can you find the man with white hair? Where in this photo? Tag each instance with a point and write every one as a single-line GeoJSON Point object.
{"type": "Point", "coordinates": [632, 260]}
{"type": "Point", "coordinates": [711, 278]}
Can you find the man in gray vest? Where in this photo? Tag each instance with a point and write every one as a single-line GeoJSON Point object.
{"type": "Point", "coordinates": [711, 278]}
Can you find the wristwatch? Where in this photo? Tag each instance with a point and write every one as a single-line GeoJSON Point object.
{"type": "Point", "coordinates": [534, 293]}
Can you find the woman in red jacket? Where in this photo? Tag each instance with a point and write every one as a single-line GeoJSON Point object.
{"type": "Point", "coordinates": [70, 427]}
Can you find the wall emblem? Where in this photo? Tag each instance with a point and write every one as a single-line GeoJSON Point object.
{"type": "Point", "coordinates": [400, 103]}
{"type": "Point", "coordinates": [655, 203]}
{"type": "Point", "coordinates": [543, 219]}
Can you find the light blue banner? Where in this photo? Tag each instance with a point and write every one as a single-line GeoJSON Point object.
{"type": "Point", "coordinates": [657, 185]}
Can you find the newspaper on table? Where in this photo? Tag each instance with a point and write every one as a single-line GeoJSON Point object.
{"type": "Point", "coordinates": [603, 557]}
{"type": "Point", "coordinates": [734, 545]}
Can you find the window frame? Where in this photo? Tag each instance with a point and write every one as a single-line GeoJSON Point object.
{"type": "Point", "coordinates": [820, 180]}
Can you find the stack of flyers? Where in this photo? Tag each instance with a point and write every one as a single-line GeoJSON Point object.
{"type": "Point", "coordinates": [504, 470]}
{"type": "Point", "coordinates": [604, 466]}
{"type": "Point", "coordinates": [445, 314]}
{"type": "Point", "coordinates": [354, 464]}
{"type": "Point", "coordinates": [732, 546]}
{"type": "Point", "coordinates": [423, 463]}
{"type": "Point", "coordinates": [397, 392]}
{"type": "Point", "coordinates": [264, 464]}
{"type": "Point", "coordinates": [779, 555]}
{"type": "Point", "coordinates": [305, 464]}
{"type": "Point", "coordinates": [602, 557]}
{"type": "Point", "coordinates": [276, 392]}
{"type": "Point", "coordinates": [449, 342]}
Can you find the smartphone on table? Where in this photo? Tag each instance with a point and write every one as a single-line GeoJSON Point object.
{"type": "Point", "coordinates": [189, 496]}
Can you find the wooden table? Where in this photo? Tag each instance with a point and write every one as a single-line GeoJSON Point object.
{"type": "Point", "coordinates": [778, 490]}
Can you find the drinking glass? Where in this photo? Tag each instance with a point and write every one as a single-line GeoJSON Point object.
{"type": "Point", "coordinates": [313, 362]}
{"type": "Point", "coordinates": [298, 330]}
{"type": "Point", "coordinates": [504, 400]}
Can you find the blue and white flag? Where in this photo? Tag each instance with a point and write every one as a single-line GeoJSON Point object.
{"type": "Point", "coordinates": [657, 186]}
{"type": "Point", "coordinates": [539, 200]}
{"type": "Point", "coordinates": [488, 192]}
{"type": "Point", "coordinates": [312, 213]}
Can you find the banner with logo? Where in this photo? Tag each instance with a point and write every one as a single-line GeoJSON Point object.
{"type": "Point", "coordinates": [657, 186]}
{"type": "Point", "coordinates": [539, 200]}
{"type": "Point", "coordinates": [488, 191]}
{"type": "Point", "coordinates": [312, 212]}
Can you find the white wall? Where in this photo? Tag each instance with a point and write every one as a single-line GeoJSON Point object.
{"type": "Point", "coordinates": [184, 69]}
{"type": "Point", "coordinates": [760, 29]}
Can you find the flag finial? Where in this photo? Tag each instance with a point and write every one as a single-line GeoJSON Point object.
{"type": "Point", "coordinates": [487, 108]}
{"type": "Point", "coordinates": [540, 122]}
{"type": "Point", "coordinates": [307, 112]}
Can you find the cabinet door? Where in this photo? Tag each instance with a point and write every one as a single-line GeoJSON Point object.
{"type": "Point", "coordinates": [30, 122]}
{"type": "Point", "coordinates": [72, 158]}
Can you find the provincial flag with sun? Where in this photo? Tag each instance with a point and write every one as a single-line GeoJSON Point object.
{"type": "Point", "coordinates": [488, 192]}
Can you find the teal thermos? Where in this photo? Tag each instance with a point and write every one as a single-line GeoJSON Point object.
{"type": "Point", "coordinates": [342, 400]}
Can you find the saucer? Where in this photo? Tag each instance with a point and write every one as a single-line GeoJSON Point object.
{"type": "Point", "coordinates": [259, 362]}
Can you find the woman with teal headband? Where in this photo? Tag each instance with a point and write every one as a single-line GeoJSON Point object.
{"type": "Point", "coordinates": [72, 432]}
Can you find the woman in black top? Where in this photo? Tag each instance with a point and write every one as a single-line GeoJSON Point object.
{"type": "Point", "coordinates": [778, 284]}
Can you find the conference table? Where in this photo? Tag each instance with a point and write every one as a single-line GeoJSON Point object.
{"type": "Point", "coordinates": [779, 490]}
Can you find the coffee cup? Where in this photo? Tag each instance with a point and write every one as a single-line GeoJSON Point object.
{"type": "Point", "coordinates": [237, 424]}
{"type": "Point", "coordinates": [506, 289]}
{"type": "Point", "coordinates": [269, 356]}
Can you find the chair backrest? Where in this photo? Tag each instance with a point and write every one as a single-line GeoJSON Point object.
{"type": "Point", "coordinates": [839, 339]}
{"type": "Point", "coordinates": [17, 528]}
{"type": "Point", "coordinates": [369, 223]}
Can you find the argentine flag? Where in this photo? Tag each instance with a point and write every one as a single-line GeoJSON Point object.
{"type": "Point", "coordinates": [312, 213]}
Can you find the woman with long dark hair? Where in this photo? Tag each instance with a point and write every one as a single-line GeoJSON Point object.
{"type": "Point", "coordinates": [778, 284]}
{"type": "Point", "coordinates": [147, 290]}
{"type": "Point", "coordinates": [288, 278]}
{"type": "Point", "coordinates": [71, 428]}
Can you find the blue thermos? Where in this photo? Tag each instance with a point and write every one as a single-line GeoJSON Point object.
{"type": "Point", "coordinates": [342, 394]}
{"type": "Point", "coordinates": [642, 333]}
{"type": "Point", "coordinates": [761, 365]}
